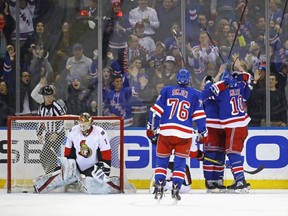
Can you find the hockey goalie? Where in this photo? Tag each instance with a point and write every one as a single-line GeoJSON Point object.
{"type": "Point", "coordinates": [86, 162]}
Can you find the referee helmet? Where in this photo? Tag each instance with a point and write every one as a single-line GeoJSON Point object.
{"type": "Point", "coordinates": [46, 90]}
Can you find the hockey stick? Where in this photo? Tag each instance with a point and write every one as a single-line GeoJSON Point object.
{"type": "Point", "coordinates": [237, 30]}
{"type": "Point", "coordinates": [259, 169]}
{"type": "Point", "coordinates": [210, 38]}
{"type": "Point", "coordinates": [179, 50]}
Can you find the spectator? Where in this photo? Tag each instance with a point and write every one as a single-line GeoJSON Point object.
{"type": "Point", "coordinates": [146, 42]}
{"type": "Point", "coordinates": [255, 106]}
{"type": "Point", "coordinates": [141, 92]}
{"type": "Point", "coordinates": [146, 14]}
{"type": "Point", "coordinates": [239, 48]}
{"type": "Point", "coordinates": [26, 14]}
{"type": "Point", "coordinates": [170, 41]}
{"type": "Point", "coordinates": [169, 72]}
{"type": "Point", "coordinates": [79, 65]}
{"type": "Point", "coordinates": [200, 55]}
{"type": "Point", "coordinates": [116, 31]}
{"type": "Point", "coordinates": [278, 104]}
{"type": "Point", "coordinates": [253, 56]}
{"type": "Point", "coordinates": [157, 59]}
{"type": "Point", "coordinates": [118, 101]}
{"type": "Point", "coordinates": [87, 28]}
{"type": "Point", "coordinates": [224, 9]}
{"type": "Point", "coordinates": [27, 105]}
{"type": "Point", "coordinates": [6, 96]}
{"type": "Point", "coordinates": [92, 101]}
{"type": "Point", "coordinates": [258, 32]}
{"type": "Point", "coordinates": [63, 50]}
{"type": "Point", "coordinates": [282, 78]}
{"type": "Point", "coordinates": [7, 26]}
{"type": "Point", "coordinates": [77, 97]}
{"type": "Point", "coordinates": [39, 67]}
{"type": "Point", "coordinates": [5, 112]}
{"type": "Point", "coordinates": [167, 15]}
{"type": "Point", "coordinates": [125, 55]}
{"type": "Point", "coordinates": [41, 39]}
{"type": "Point", "coordinates": [9, 68]}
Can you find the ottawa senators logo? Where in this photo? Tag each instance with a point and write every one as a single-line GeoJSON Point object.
{"type": "Point", "coordinates": [85, 151]}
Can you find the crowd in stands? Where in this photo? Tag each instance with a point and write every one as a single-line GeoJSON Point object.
{"type": "Point", "coordinates": [142, 45]}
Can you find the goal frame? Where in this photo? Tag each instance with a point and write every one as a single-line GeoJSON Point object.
{"type": "Point", "coordinates": [65, 117]}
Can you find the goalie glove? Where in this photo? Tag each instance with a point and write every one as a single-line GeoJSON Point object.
{"type": "Point", "coordinates": [101, 172]}
{"type": "Point", "coordinates": [152, 134]}
{"type": "Point", "coordinates": [203, 137]}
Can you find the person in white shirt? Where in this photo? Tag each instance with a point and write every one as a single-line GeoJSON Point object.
{"type": "Point", "coordinates": [146, 14]}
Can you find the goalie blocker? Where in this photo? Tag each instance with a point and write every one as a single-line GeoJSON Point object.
{"type": "Point", "coordinates": [98, 183]}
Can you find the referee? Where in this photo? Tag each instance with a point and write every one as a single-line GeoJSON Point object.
{"type": "Point", "coordinates": [50, 133]}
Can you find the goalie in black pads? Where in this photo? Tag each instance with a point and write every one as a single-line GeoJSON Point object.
{"type": "Point", "coordinates": [87, 161]}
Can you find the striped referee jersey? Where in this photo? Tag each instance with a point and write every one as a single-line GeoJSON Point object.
{"type": "Point", "coordinates": [55, 109]}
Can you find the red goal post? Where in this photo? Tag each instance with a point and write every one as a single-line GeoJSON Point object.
{"type": "Point", "coordinates": [26, 156]}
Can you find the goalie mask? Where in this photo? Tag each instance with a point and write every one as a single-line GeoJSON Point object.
{"type": "Point", "coordinates": [85, 122]}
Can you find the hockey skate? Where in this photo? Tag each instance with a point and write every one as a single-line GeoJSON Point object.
{"type": "Point", "coordinates": [215, 186]}
{"type": "Point", "coordinates": [220, 186]}
{"type": "Point", "coordinates": [239, 187]}
{"type": "Point", "coordinates": [159, 190]}
{"type": "Point", "coordinates": [175, 193]}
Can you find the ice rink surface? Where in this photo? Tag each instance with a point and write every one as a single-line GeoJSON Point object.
{"type": "Point", "coordinates": [197, 202]}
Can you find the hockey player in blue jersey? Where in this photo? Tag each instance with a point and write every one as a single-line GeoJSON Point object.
{"type": "Point", "coordinates": [234, 120]}
{"type": "Point", "coordinates": [172, 115]}
{"type": "Point", "coordinates": [215, 146]}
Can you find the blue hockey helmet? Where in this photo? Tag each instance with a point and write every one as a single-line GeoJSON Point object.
{"type": "Point", "coordinates": [183, 77]}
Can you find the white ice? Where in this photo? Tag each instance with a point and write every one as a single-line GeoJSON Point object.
{"type": "Point", "coordinates": [196, 203]}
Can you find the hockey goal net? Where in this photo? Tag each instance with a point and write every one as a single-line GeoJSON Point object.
{"type": "Point", "coordinates": [34, 141]}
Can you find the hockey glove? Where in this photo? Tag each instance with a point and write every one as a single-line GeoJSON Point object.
{"type": "Point", "coordinates": [217, 87]}
{"type": "Point", "coordinates": [203, 137]}
{"type": "Point", "coordinates": [244, 76]}
{"type": "Point", "coordinates": [208, 79]}
{"type": "Point", "coordinates": [199, 155]}
{"type": "Point", "coordinates": [101, 172]}
{"type": "Point", "coordinates": [104, 166]}
{"type": "Point", "coordinates": [152, 134]}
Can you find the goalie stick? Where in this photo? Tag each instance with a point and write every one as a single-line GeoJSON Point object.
{"type": "Point", "coordinates": [259, 169]}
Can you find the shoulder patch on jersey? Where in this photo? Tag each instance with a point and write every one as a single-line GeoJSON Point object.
{"type": "Point", "coordinates": [102, 132]}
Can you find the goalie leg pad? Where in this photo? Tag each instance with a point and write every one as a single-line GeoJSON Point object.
{"type": "Point", "coordinates": [51, 181]}
{"type": "Point", "coordinates": [96, 187]}
{"type": "Point", "coordinates": [66, 175]}
{"type": "Point", "coordinates": [69, 168]}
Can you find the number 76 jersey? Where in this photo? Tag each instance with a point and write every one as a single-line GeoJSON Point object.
{"type": "Point", "coordinates": [175, 110]}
